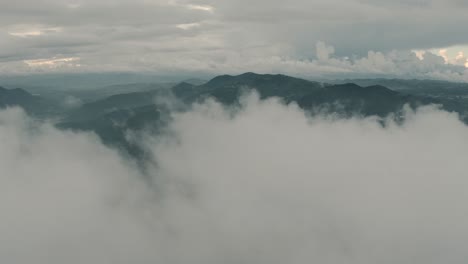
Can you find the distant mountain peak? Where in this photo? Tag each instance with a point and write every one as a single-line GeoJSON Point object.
{"type": "Point", "coordinates": [15, 92]}
{"type": "Point", "coordinates": [195, 81]}
{"type": "Point", "coordinates": [251, 78]}
{"type": "Point", "coordinates": [380, 88]}
{"type": "Point", "coordinates": [346, 86]}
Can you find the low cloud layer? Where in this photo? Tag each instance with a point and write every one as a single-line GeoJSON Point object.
{"type": "Point", "coordinates": [213, 37]}
{"type": "Point", "coordinates": [264, 183]}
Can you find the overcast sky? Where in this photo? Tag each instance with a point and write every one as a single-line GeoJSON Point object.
{"type": "Point", "coordinates": [314, 38]}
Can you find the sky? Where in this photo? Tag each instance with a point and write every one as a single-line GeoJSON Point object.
{"type": "Point", "coordinates": [308, 38]}
{"type": "Point", "coordinates": [233, 186]}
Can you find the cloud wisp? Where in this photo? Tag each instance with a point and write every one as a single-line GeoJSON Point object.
{"type": "Point", "coordinates": [265, 183]}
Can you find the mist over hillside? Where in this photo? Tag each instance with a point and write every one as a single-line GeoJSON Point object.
{"type": "Point", "coordinates": [239, 169]}
{"type": "Point", "coordinates": [233, 132]}
{"type": "Point", "coordinates": [115, 111]}
{"type": "Point", "coordinates": [263, 182]}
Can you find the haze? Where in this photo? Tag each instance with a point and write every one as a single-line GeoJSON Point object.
{"type": "Point", "coordinates": [233, 132]}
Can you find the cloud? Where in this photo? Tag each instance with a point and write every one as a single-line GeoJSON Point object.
{"type": "Point", "coordinates": [460, 59]}
{"type": "Point", "coordinates": [62, 205]}
{"type": "Point", "coordinates": [53, 62]}
{"type": "Point", "coordinates": [192, 6]}
{"type": "Point", "coordinates": [206, 8]}
{"type": "Point", "coordinates": [406, 64]}
{"type": "Point", "coordinates": [328, 64]}
{"type": "Point", "coordinates": [188, 26]}
{"type": "Point", "coordinates": [24, 31]}
{"type": "Point", "coordinates": [72, 102]}
{"type": "Point", "coordinates": [117, 35]}
{"type": "Point", "coordinates": [264, 183]}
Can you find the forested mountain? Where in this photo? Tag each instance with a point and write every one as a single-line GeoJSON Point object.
{"type": "Point", "coordinates": [113, 116]}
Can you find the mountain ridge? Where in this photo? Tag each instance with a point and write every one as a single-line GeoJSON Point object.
{"type": "Point", "coordinates": [112, 116]}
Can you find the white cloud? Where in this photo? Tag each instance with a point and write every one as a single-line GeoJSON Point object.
{"type": "Point", "coordinates": [24, 31]}
{"type": "Point", "coordinates": [393, 64]}
{"type": "Point", "coordinates": [191, 6]}
{"type": "Point", "coordinates": [53, 62]}
{"type": "Point", "coordinates": [406, 64]}
{"type": "Point", "coordinates": [188, 26]}
{"type": "Point", "coordinates": [262, 184]}
{"type": "Point", "coordinates": [419, 54]}
{"type": "Point", "coordinates": [206, 8]}
{"type": "Point", "coordinates": [461, 59]}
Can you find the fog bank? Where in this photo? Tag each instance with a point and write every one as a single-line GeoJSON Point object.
{"type": "Point", "coordinates": [265, 183]}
